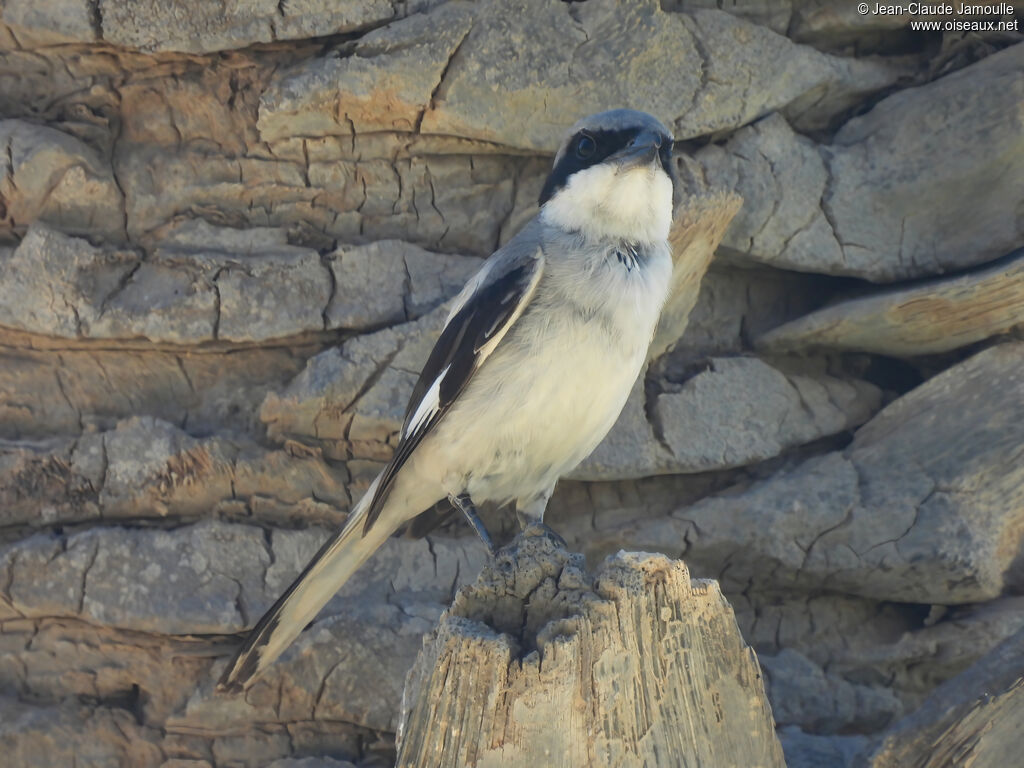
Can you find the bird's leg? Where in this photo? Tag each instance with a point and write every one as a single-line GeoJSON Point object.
{"type": "Point", "coordinates": [531, 514]}
{"type": "Point", "coordinates": [532, 511]}
{"type": "Point", "coordinates": [464, 504]}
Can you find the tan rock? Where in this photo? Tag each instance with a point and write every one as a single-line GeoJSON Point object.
{"type": "Point", "coordinates": [448, 202]}
{"type": "Point", "coordinates": [385, 84]}
{"type": "Point", "coordinates": [148, 469]}
{"type": "Point", "coordinates": [45, 392]}
{"type": "Point", "coordinates": [937, 316]}
{"type": "Point", "coordinates": [518, 74]}
{"type": "Point", "coordinates": [65, 734]}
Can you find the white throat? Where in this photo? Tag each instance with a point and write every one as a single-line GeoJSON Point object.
{"type": "Point", "coordinates": [605, 203]}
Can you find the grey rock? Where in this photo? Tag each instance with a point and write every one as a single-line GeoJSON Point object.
{"type": "Point", "coordinates": [921, 507]}
{"type": "Point", "coordinates": [156, 26]}
{"type": "Point", "coordinates": [310, 762]}
{"type": "Point", "coordinates": [391, 281]}
{"type": "Point", "coordinates": [835, 25]}
{"type": "Point", "coordinates": [101, 664]}
{"type": "Point", "coordinates": [804, 695]}
{"type": "Point", "coordinates": [57, 285]}
{"type": "Point", "coordinates": [165, 299]}
{"type": "Point", "coordinates": [737, 411]}
{"type": "Point", "coordinates": [434, 278]}
{"type": "Point", "coordinates": [204, 283]}
{"type": "Point", "coordinates": [839, 209]}
{"type": "Point", "coordinates": [807, 750]}
{"type": "Point", "coordinates": [262, 287]}
{"type": "Point", "coordinates": [353, 397]}
{"type": "Point", "coordinates": [782, 177]}
{"type": "Point", "coordinates": [38, 484]}
{"type": "Point", "coordinates": [922, 657]}
{"type": "Point", "coordinates": [834, 630]}
{"type": "Point", "coordinates": [773, 14]}
{"type": "Point", "coordinates": [272, 295]}
{"type": "Point", "coordinates": [55, 178]}
{"type": "Point", "coordinates": [67, 19]}
{"type": "Point", "coordinates": [741, 410]}
{"type": "Point", "coordinates": [350, 665]}
{"type": "Point", "coordinates": [154, 467]}
{"type": "Point", "coordinates": [973, 719]}
{"type": "Point", "coordinates": [154, 581]}
{"type": "Point", "coordinates": [767, 73]}
{"type": "Point", "coordinates": [46, 575]}
{"type": "Point", "coordinates": [736, 305]}
{"type": "Point", "coordinates": [217, 577]}
{"type": "Point", "coordinates": [890, 202]}
{"type": "Point", "coordinates": [105, 737]}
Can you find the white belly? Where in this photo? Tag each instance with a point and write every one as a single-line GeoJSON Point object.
{"type": "Point", "coordinates": [546, 397]}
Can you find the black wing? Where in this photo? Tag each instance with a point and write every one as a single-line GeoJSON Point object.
{"type": "Point", "coordinates": [480, 317]}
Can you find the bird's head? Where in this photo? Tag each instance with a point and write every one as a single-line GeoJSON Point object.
{"type": "Point", "coordinates": [613, 178]}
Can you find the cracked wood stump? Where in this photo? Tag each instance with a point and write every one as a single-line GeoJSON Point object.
{"type": "Point", "coordinates": [539, 664]}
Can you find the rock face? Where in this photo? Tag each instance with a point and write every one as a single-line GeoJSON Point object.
{"type": "Point", "coordinates": [228, 236]}
{"type": "Point", "coordinates": [918, 508]}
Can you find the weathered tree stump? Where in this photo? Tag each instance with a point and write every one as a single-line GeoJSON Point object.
{"type": "Point", "coordinates": [539, 664]}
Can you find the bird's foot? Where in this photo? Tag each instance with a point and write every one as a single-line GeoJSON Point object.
{"type": "Point", "coordinates": [539, 528]}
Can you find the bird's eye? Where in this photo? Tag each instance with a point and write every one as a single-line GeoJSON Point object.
{"type": "Point", "coordinates": [585, 147]}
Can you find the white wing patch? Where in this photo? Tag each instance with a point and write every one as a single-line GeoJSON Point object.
{"type": "Point", "coordinates": [428, 406]}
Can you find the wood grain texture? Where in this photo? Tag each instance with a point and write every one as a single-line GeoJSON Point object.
{"type": "Point", "coordinates": [934, 316]}
{"type": "Point", "coordinates": [539, 664]}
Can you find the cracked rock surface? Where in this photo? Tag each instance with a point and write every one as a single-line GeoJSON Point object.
{"type": "Point", "coordinates": [229, 233]}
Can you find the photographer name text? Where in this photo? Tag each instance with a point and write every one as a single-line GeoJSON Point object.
{"type": "Point", "coordinates": [941, 9]}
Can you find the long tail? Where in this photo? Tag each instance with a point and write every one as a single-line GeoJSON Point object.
{"type": "Point", "coordinates": [329, 569]}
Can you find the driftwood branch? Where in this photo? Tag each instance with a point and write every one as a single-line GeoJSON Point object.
{"type": "Point", "coordinates": [539, 664]}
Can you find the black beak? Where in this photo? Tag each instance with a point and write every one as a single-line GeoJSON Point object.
{"type": "Point", "coordinates": [642, 150]}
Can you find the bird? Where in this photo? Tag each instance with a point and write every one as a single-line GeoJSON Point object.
{"type": "Point", "coordinates": [533, 366]}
